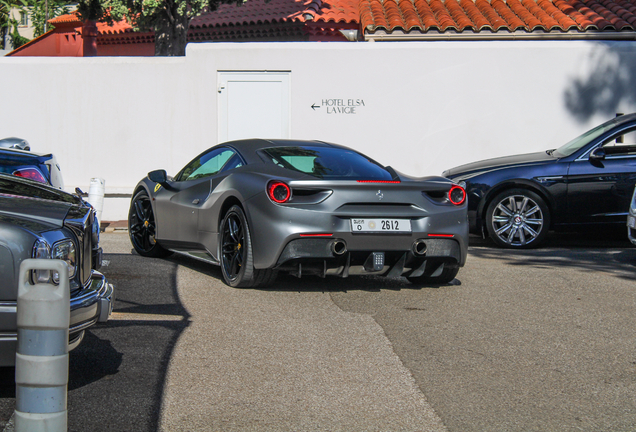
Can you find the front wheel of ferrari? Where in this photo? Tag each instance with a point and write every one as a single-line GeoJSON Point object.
{"type": "Point", "coordinates": [237, 260]}
{"type": "Point", "coordinates": [142, 227]}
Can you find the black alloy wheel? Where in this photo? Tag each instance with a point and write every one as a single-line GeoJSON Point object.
{"type": "Point", "coordinates": [142, 227]}
{"type": "Point", "coordinates": [237, 261]}
{"type": "Point", "coordinates": [518, 218]}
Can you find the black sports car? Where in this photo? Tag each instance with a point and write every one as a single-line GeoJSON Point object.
{"type": "Point", "coordinates": [587, 183]}
{"type": "Point", "coordinates": [256, 207]}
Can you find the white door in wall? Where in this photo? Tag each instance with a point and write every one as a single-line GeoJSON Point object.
{"type": "Point", "coordinates": [253, 105]}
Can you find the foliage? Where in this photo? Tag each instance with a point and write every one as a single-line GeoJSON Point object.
{"type": "Point", "coordinates": [5, 17]}
{"type": "Point", "coordinates": [16, 39]}
{"type": "Point", "coordinates": [169, 19]}
{"type": "Point", "coordinates": [38, 13]}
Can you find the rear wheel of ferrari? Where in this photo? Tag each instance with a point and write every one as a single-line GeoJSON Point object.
{"type": "Point", "coordinates": [142, 227]}
{"type": "Point", "coordinates": [445, 277]}
{"type": "Point", "coordinates": [518, 218]}
{"type": "Point", "coordinates": [237, 260]}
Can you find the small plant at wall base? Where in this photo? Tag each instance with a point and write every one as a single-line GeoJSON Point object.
{"type": "Point", "coordinates": [170, 19]}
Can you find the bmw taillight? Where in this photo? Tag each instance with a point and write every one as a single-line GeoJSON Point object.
{"type": "Point", "coordinates": [457, 195]}
{"type": "Point", "coordinates": [278, 192]}
{"type": "Point", "coordinates": [30, 173]}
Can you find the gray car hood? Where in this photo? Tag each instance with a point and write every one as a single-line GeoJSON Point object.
{"type": "Point", "coordinates": [501, 162]}
{"type": "Point", "coordinates": [34, 215]}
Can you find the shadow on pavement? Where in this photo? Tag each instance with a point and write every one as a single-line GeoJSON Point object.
{"type": "Point", "coordinates": [601, 251]}
{"type": "Point", "coordinates": [118, 372]}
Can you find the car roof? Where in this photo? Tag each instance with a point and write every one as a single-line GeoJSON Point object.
{"type": "Point", "coordinates": [17, 153]}
{"type": "Point", "coordinates": [626, 118]}
{"type": "Point", "coordinates": [10, 142]}
{"type": "Point", "coordinates": [248, 148]}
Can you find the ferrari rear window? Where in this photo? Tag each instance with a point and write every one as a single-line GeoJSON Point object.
{"type": "Point", "coordinates": [332, 163]}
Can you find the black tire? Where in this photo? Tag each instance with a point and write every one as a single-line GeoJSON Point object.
{"type": "Point", "coordinates": [448, 274]}
{"type": "Point", "coordinates": [142, 227]}
{"type": "Point", "coordinates": [237, 260]}
{"type": "Point", "coordinates": [518, 219]}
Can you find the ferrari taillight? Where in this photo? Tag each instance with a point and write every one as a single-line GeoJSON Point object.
{"type": "Point", "coordinates": [31, 174]}
{"type": "Point", "coordinates": [278, 192]}
{"type": "Point", "coordinates": [457, 195]}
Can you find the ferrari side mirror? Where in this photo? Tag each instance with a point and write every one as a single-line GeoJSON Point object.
{"type": "Point", "coordinates": [158, 176]}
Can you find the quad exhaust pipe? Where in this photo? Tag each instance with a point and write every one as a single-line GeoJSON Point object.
{"type": "Point", "coordinates": [338, 247]}
{"type": "Point", "coordinates": [419, 247]}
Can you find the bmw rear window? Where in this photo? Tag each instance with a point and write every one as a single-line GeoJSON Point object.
{"type": "Point", "coordinates": [333, 163]}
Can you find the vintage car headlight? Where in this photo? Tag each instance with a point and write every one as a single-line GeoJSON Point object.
{"type": "Point", "coordinates": [63, 250]}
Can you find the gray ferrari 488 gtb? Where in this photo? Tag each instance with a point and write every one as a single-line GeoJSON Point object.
{"type": "Point", "coordinates": [256, 207]}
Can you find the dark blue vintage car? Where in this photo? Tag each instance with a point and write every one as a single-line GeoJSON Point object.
{"type": "Point", "coordinates": [42, 168]}
{"type": "Point", "coordinates": [586, 183]}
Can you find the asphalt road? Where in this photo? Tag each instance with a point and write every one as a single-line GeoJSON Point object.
{"type": "Point", "coordinates": [536, 340]}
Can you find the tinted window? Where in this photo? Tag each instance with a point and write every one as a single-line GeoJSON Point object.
{"type": "Point", "coordinates": [621, 143]}
{"type": "Point", "coordinates": [328, 163]}
{"type": "Point", "coordinates": [208, 164]}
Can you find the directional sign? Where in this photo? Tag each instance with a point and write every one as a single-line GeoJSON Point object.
{"type": "Point", "coordinates": [340, 106]}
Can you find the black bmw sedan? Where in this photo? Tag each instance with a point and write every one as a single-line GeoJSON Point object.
{"type": "Point", "coordinates": [585, 184]}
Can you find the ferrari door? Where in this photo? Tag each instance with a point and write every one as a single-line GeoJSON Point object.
{"type": "Point", "coordinates": [178, 207]}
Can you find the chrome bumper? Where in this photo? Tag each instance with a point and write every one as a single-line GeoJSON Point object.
{"type": "Point", "coordinates": [93, 304]}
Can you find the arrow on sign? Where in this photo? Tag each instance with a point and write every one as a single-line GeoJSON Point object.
{"type": "Point", "coordinates": [314, 106]}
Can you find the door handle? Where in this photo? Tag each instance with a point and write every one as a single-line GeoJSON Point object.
{"type": "Point", "coordinates": [196, 201]}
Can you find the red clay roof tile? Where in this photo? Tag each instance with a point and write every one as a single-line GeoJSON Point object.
{"type": "Point", "coordinates": [500, 15]}
{"type": "Point", "coordinates": [322, 19]}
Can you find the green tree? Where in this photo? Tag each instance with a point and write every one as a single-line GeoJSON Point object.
{"type": "Point", "coordinates": [39, 16]}
{"type": "Point", "coordinates": [170, 19]}
{"type": "Point", "coordinates": [16, 39]}
{"type": "Point", "coordinates": [5, 17]}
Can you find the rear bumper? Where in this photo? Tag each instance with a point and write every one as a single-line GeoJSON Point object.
{"type": "Point", "coordinates": [350, 254]}
{"type": "Point", "coordinates": [274, 227]}
{"type": "Point", "coordinates": [94, 303]}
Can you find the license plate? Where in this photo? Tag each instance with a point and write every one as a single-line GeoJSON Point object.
{"type": "Point", "coordinates": [380, 225]}
{"type": "Point", "coordinates": [631, 221]}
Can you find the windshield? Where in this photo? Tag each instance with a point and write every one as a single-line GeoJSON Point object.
{"type": "Point", "coordinates": [581, 141]}
{"type": "Point", "coordinates": [332, 163]}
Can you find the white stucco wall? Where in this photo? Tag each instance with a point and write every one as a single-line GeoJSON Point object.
{"type": "Point", "coordinates": [427, 106]}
